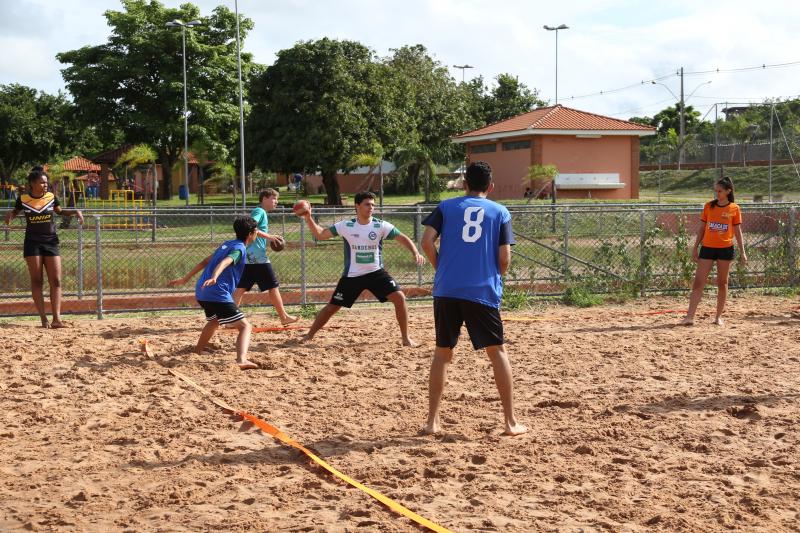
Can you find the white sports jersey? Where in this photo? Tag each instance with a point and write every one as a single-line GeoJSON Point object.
{"type": "Point", "coordinates": [363, 244]}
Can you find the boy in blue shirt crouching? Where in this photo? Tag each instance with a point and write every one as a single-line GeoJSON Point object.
{"type": "Point", "coordinates": [214, 290]}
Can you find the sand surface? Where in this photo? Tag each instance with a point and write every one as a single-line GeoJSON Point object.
{"type": "Point", "coordinates": [636, 425]}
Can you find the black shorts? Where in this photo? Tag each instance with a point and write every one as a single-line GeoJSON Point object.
{"type": "Point", "coordinates": [379, 283]}
{"type": "Point", "coordinates": [714, 254]}
{"type": "Point", "coordinates": [258, 273]}
{"type": "Point", "coordinates": [484, 325]}
{"type": "Point", "coordinates": [222, 312]}
{"type": "Point", "coordinates": [45, 249]}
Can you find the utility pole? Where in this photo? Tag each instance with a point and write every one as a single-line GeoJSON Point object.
{"type": "Point", "coordinates": [682, 125]}
{"type": "Point", "coordinates": [771, 119]}
{"type": "Point", "coordinates": [463, 68]}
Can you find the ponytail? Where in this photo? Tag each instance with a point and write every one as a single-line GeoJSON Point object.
{"type": "Point", "coordinates": [726, 183]}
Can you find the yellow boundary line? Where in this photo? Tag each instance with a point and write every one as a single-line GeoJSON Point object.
{"type": "Point", "coordinates": [284, 438]}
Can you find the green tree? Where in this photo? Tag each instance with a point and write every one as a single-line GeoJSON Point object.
{"type": "Point", "coordinates": [36, 127]}
{"type": "Point", "coordinates": [510, 98]}
{"type": "Point", "coordinates": [134, 82]}
{"type": "Point", "coordinates": [316, 107]}
{"type": "Point", "coordinates": [431, 109]}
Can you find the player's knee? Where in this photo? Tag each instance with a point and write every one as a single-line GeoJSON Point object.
{"type": "Point", "coordinates": [55, 283]}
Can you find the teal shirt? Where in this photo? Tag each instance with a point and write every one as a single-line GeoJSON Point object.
{"type": "Point", "coordinates": [257, 251]}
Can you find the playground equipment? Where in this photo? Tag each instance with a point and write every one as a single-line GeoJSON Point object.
{"type": "Point", "coordinates": [124, 212]}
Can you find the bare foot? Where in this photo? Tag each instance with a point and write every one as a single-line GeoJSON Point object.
{"type": "Point", "coordinates": [289, 319]}
{"type": "Point", "coordinates": [45, 324]}
{"type": "Point", "coordinates": [57, 324]}
{"type": "Point", "coordinates": [305, 338]}
{"type": "Point", "coordinates": [247, 365]}
{"type": "Point", "coordinates": [515, 429]}
{"type": "Point", "coordinates": [409, 342]}
{"type": "Point", "coordinates": [718, 321]}
{"type": "Point", "coordinates": [686, 322]}
{"type": "Point", "coordinates": [431, 428]}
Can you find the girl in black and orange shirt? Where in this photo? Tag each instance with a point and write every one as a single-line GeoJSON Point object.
{"type": "Point", "coordinates": [721, 222]}
{"type": "Point", "coordinates": [41, 242]}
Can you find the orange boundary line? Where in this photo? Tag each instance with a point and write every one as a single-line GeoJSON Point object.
{"type": "Point", "coordinates": [286, 439]}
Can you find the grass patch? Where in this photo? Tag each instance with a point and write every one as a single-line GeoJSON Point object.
{"type": "Point", "coordinates": [579, 296]}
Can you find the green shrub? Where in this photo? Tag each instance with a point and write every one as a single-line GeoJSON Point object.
{"type": "Point", "coordinates": [579, 296]}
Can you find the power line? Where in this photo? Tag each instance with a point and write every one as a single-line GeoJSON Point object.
{"type": "Point", "coordinates": [693, 73]}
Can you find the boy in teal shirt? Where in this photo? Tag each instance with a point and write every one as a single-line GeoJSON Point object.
{"type": "Point", "coordinates": [259, 268]}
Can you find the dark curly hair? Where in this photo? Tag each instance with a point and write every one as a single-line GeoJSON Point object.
{"type": "Point", "coordinates": [479, 176]}
{"type": "Point", "coordinates": [244, 226]}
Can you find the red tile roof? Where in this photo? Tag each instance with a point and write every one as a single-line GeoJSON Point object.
{"type": "Point", "coordinates": [80, 164]}
{"type": "Point", "coordinates": [557, 117]}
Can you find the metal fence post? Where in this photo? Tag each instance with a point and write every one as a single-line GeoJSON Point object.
{"type": "Point", "coordinates": [792, 246]}
{"type": "Point", "coordinates": [155, 223]}
{"type": "Point", "coordinates": [211, 222]}
{"type": "Point", "coordinates": [7, 232]}
{"type": "Point", "coordinates": [99, 262]}
{"type": "Point", "coordinates": [417, 240]}
{"type": "Point", "coordinates": [566, 242]}
{"type": "Point", "coordinates": [642, 253]}
{"type": "Point", "coordinates": [80, 261]}
{"type": "Point", "coordinates": [303, 287]}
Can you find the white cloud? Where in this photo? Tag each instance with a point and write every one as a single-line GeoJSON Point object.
{"type": "Point", "coordinates": [610, 43]}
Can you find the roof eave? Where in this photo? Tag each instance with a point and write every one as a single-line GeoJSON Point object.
{"type": "Point", "coordinates": [527, 132]}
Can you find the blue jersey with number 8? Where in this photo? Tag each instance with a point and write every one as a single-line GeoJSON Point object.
{"type": "Point", "coordinates": [471, 230]}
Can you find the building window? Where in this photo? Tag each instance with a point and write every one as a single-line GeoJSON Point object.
{"type": "Point", "coordinates": [516, 145]}
{"type": "Point", "coordinates": [483, 148]}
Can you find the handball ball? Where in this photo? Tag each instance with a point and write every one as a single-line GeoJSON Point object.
{"type": "Point", "coordinates": [301, 208]}
{"type": "Point", "coordinates": [278, 245]}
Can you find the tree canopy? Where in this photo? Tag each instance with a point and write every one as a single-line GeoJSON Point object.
{"type": "Point", "coordinates": [134, 82]}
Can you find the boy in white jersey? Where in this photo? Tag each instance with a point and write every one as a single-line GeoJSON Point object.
{"type": "Point", "coordinates": [363, 263]}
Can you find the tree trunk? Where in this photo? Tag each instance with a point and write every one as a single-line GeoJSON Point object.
{"type": "Point", "coordinates": [412, 183]}
{"type": "Point", "coordinates": [331, 187]}
{"type": "Point", "coordinates": [167, 162]}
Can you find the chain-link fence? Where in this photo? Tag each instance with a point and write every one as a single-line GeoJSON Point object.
{"type": "Point", "coordinates": [123, 260]}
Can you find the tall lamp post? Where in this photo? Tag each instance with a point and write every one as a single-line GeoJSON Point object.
{"type": "Point", "coordinates": [241, 106]}
{"type": "Point", "coordinates": [183, 25]}
{"type": "Point", "coordinates": [463, 68]}
{"type": "Point", "coordinates": [682, 122]}
{"type": "Point", "coordinates": [555, 29]}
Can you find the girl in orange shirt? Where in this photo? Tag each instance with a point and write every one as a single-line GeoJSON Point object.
{"type": "Point", "coordinates": [722, 220]}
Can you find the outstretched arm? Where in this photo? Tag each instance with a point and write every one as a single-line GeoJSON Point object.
{"type": "Point", "coordinates": [225, 263]}
{"type": "Point", "coordinates": [320, 233]}
{"type": "Point", "coordinates": [408, 244]}
{"type": "Point", "coordinates": [198, 267]}
{"type": "Point", "coordinates": [429, 245]}
{"type": "Point", "coordinates": [11, 215]}
{"type": "Point", "coordinates": [69, 212]}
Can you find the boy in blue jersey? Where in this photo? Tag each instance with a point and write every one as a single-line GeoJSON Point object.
{"type": "Point", "coordinates": [363, 238]}
{"type": "Point", "coordinates": [474, 252]}
{"type": "Point", "coordinates": [258, 269]}
{"type": "Point", "coordinates": [222, 271]}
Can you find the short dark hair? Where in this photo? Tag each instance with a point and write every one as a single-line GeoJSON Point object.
{"type": "Point", "coordinates": [267, 193]}
{"type": "Point", "coordinates": [363, 195]}
{"type": "Point", "coordinates": [244, 226]}
{"type": "Point", "coordinates": [479, 176]}
{"type": "Point", "coordinates": [36, 173]}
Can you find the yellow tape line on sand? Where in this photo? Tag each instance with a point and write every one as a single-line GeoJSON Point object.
{"type": "Point", "coordinates": [284, 438]}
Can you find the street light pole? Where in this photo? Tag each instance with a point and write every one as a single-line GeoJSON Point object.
{"type": "Point", "coordinates": [183, 26]}
{"type": "Point", "coordinates": [463, 68]}
{"type": "Point", "coordinates": [241, 108]}
{"type": "Point", "coordinates": [555, 29]}
{"type": "Point", "coordinates": [681, 111]}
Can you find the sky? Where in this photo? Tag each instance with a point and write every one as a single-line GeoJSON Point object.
{"type": "Point", "coordinates": [610, 44]}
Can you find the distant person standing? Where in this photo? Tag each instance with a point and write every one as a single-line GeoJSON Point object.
{"type": "Point", "coordinates": [40, 249]}
{"type": "Point", "coordinates": [258, 269]}
{"type": "Point", "coordinates": [721, 222]}
{"type": "Point", "coordinates": [474, 252]}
